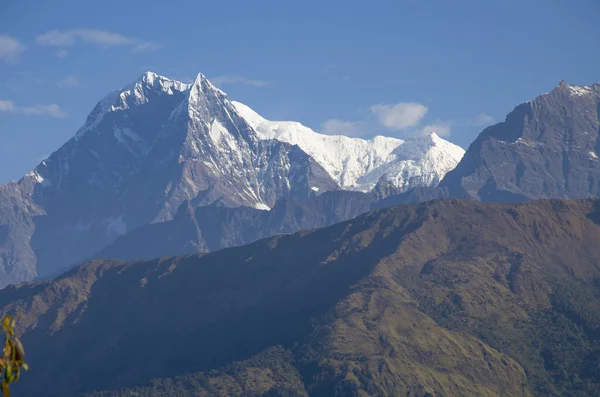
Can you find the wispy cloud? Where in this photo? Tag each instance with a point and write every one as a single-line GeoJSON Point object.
{"type": "Point", "coordinates": [399, 116]}
{"type": "Point", "coordinates": [69, 38]}
{"type": "Point", "coordinates": [10, 48]}
{"type": "Point", "coordinates": [342, 127]}
{"type": "Point", "coordinates": [62, 53]}
{"type": "Point", "coordinates": [145, 47]}
{"type": "Point", "coordinates": [51, 110]}
{"type": "Point", "coordinates": [230, 80]}
{"type": "Point", "coordinates": [481, 120]}
{"type": "Point", "coordinates": [7, 106]}
{"type": "Point", "coordinates": [70, 81]}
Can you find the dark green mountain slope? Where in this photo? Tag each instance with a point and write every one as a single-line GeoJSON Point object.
{"type": "Point", "coordinates": [444, 298]}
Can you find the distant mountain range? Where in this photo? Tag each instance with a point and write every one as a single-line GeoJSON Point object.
{"type": "Point", "coordinates": [459, 295]}
{"type": "Point", "coordinates": [449, 297]}
{"type": "Point", "coordinates": [146, 149]}
{"type": "Point", "coordinates": [546, 148]}
{"type": "Point", "coordinates": [159, 148]}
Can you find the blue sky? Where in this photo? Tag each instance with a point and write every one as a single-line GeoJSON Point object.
{"type": "Point", "coordinates": [388, 67]}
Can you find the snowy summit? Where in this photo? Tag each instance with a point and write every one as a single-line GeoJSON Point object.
{"type": "Point", "coordinates": [358, 164]}
{"type": "Point", "coordinates": [223, 150]}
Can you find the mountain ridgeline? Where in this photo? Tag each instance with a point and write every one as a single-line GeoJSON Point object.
{"type": "Point", "coordinates": [345, 293]}
{"type": "Point", "coordinates": [158, 144]}
{"type": "Point", "coordinates": [546, 148]}
{"type": "Point", "coordinates": [504, 301]}
{"type": "Point", "coordinates": [150, 147]}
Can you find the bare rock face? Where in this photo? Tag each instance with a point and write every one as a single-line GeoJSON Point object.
{"type": "Point", "coordinates": [17, 259]}
{"type": "Point", "coordinates": [548, 147]}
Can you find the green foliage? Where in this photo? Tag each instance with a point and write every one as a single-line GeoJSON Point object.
{"type": "Point", "coordinates": [12, 359]}
{"type": "Point", "coordinates": [268, 374]}
{"type": "Point", "coordinates": [559, 347]}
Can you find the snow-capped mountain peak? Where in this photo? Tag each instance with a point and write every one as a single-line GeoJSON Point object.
{"type": "Point", "coordinates": [358, 164]}
{"type": "Point", "coordinates": [147, 86]}
{"type": "Point", "coordinates": [204, 98]}
{"type": "Point", "coordinates": [416, 147]}
{"type": "Point", "coordinates": [156, 143]}
{"type": "Point", "coordinates": [152, 79]}
{"type": "Point", "coordinates": [159, 119]}
{"type": "Point", "coordinates": [420, 161]}
{"type": "Point", "coordinates": [154, 110]}
{"type": "Point", "coordinates": [575, 90]}
{"type": "Point", "coordinates": [147, 148]}
{"type": "Point", "coordinates": [204, 85]}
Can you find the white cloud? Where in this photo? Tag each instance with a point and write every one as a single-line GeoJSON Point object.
{"type": "Point", "coordinates": [441, 128]}
{"type": "Point", "coordinates": [52, 110]}
{"type": "Point", "coordinates": [10, 48]}
{"type": "Point", "coordinates": [405, 119]}
{"type": "Point", "coordinates": [7, 106]}
{"type": "Point", "coordinates": [56, 39]}
{"type": "Point", "coordinates": [399, 116]}
{"type": "Point", "coordinates": [229, 80]}
{"type": "Point", "coordinates": [341, 127]}
{"type": "Point", "coordinates": [68, 38]}
{"type": "Point", "coordinates": [62, 53]}
{"type": "Point", "coordinates": [70, 81]}
{"type": "Point", "coordinates": [481, 120]}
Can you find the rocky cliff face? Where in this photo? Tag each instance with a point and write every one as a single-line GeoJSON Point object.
{"type": "Point", "coordinates": [17, 212]}
{"type": "Point", "coordinates": [547, 147]}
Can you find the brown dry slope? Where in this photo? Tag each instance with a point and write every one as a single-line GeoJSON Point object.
{"type": "Point", "coordinates": [445, 298]}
